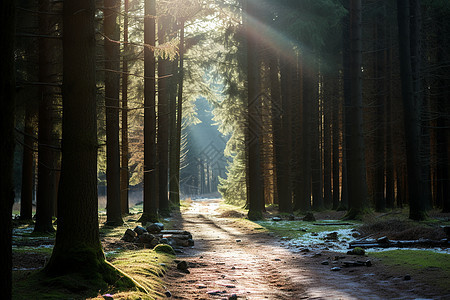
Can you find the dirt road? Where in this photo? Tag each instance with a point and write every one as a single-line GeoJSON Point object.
{"type": "Point", "coordinates": [232, 261]}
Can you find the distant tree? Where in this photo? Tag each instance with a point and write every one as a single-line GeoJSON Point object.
{"type": "Point", "coordinates": [112, 89]}
{"type": "Point", "coordinates": [7, 142]}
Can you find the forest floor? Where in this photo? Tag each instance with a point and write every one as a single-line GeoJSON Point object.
{"type": "Point", "coordinates": [234, 258]}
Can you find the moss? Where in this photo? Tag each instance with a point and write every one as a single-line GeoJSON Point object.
{"type": "Point", "coordinates": [149, 218]}
{"type": "Point", "coordinates": [357, 214]}
{"type": "Point", "coordinates": [431, 267]}
{"type": "Point", "coordinates": [255, 215]}
{"type": "Point", "coordinates": [163, 248]}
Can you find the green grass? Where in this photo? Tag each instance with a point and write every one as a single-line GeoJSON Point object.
{"type": "Point", "coordinates": [429, 266]}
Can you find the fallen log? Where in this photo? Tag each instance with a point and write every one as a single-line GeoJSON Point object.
{"type": "Point", "coordinates": [332, 224]}
{"type": "Point", "coordinates": [423, 243]}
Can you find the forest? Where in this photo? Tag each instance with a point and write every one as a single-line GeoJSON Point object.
{"type": "Point", "coordinates": [238, 138]}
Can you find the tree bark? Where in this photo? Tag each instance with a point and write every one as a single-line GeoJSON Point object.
{"type": "Point", "coordinates": [282, 128]}
{"type": "Point", "coordinates": [26, 194]}
{"type": "Point", "coordinates": [163, 122]}
{"type": "Point", "coordinates": [77, 245]}
{"type": "Point", "coordinates": [380, 73]}
{"type": "Point", "coordinates": [150, 163]}
{"type": "Point", "coordinates": [356, 172]}
{"type": "Point", "coordinates": [7, 142]}
{"type": "Point", "coordinates": [412, 111]}
{"type": "Point", "coordinates": [124, 172]}
{"type": "Point", "coordinates": [254, 138]}
{"type": "Point", "coordinates": [112, 89]}
{"type": "Point", "coordinates": [46, 186]}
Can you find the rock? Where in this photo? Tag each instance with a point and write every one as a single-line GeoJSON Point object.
{"type": "Point", "coordinates": [215, 292]}
{"type": "Point", "coordinates": [277, 259]}
{"type": "Point", "coordinates": [383, 240]}
{"type": "Point", "coordinates": [201, 286]}
{"type": "Point", "coordinates": [276, 219]}
{"type": "Point", "coordinates": [164, 241]}
{"type": "Point", "coordinates": [155, 242]}
{"type": "Point", "coordinates": [407, 277]}
{"type": "Point", "coordinates": [168, 294]}
{"type": "Point", "coordinates": [190, 242]}
{"type": "Point", "coordinates": [304, 250]}
{"type": "Point", "coordinates": [233, 297]}
{"type": "Point", "coordinates": [355, 234]}
{"type": "Point", "coordinates": [238, 241]}
{"type": "Point", "coordinates": [146, 238]}
{"type": "Point", "coordinates": [325, 263]}
{"type": "Point", "coordinates": [182, 266]}
{"type": "Point", "coordinates": [163, 248]}
{"type": "Point", "coordinates": [129, 236]}
{"type": "Point", "coordinates": [161, 225]}
{"type": "Point", "coordinates": [357, 251]}
{"type": "Point", "coordinates": [153, 228]}
{"type": "Point", "coordinates": [108, 297]}
{"type": "Point", "coordinates": [333, 236]}
{"type": "Point", "coordinates": [309, 217]}
{"type": "Point", "coordinates": [335, 269]}
{"type": "Point", "coordinates": [139, 230]}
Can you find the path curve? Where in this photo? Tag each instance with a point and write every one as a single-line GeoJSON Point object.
{"type": "Point", "coordinates": [229, 259]}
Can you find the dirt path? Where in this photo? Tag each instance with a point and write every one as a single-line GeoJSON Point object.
{"type": "Point", "coordinates": [228, 260]}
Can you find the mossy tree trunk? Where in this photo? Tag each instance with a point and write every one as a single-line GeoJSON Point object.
{"type": "Point", "coordinates": [7, 142]}
{"type": "Point", "coordinates": [77, 246]}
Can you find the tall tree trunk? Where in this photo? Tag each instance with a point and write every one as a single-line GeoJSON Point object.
{"type": "Point", "coordinates": [390, 178]}
{"type": "Point", "coordinates": [328, 90]}
{"type": "Point", "coordinates": [124, 172]}
{"type": "Point", "coordinates": [175, 178]}
{"type": "Point", "coordinates": [316, 151]}
{"type": "Point", "coordinates": [254, 137]}
{"type": "Point", "coordinates": [112, 89]}
{"type": "Point", "coordinates": [26, 195]}
{"type": "Point", "coordinates": [412, 110]}
{"type": "Point", "coordinates": [7, 142]}
{"type": "Point", "coordinates": [173, 181]}
{"type": "Point", "coordinates": [336, 132]}
{"type": "Point", "coordinates": [150, 160]}
{"type": "Point", "coordinates": [163, 122]}
{"type": "Point", "coordinates": [380, 73]}
{"type": "Point", "coordinates": [356, 172]}
{"type": "Point", "coordinates": [77, 246]}
{"type": "Point", "coordinates": [45, 198]}
{"type": "Point", "coordinates": [282, 128]}
{"type": "Point", "coordinates": [302, 196]}
{"type": "Point", "coordinates": [443, 122]}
